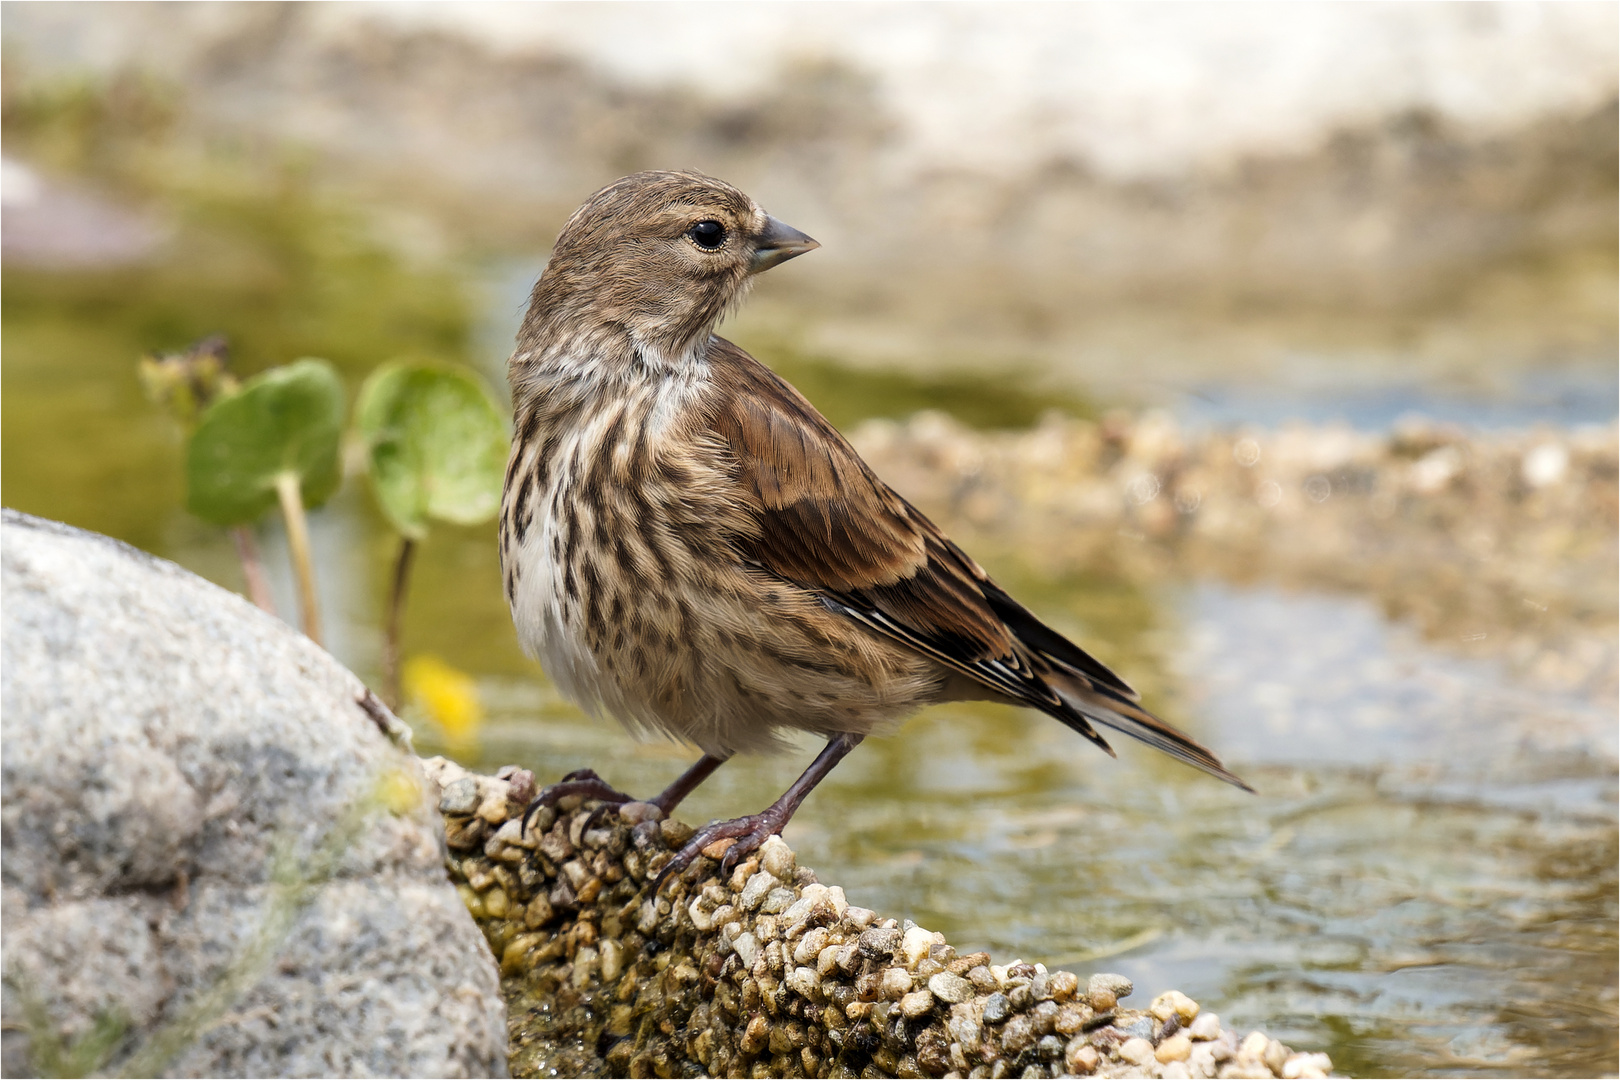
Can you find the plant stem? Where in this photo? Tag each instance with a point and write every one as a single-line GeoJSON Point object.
{"type": "Point", "coordinates": [292, 509]}
{"type": "Point", "coordinates": [247, 550]}
{"type": "Point", "coordinates": [396, 610]}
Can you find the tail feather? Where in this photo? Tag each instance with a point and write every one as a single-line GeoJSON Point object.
{"type": "Point", "coordinates": [1090, 702]}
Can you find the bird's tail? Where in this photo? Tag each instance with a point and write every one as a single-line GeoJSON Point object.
{"type": "Point", "coordinates": [1090, 701]}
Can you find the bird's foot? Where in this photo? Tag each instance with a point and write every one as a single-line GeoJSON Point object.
{"type": "Point", "coordinates": [749, 834]}
{"type": "Point", "coordinates": [581, 782]}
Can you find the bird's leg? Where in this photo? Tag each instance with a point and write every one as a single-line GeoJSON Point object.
{"type": "Point", "coordinates": [687, 782]}
{"type": "Point", "coordinates": [670, 797]}
{"type": "Point", "coordinates": [586, 783]}
{"type": "Point", "coordinates": [752, 831]}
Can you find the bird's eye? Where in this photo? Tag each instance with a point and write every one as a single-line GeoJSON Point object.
{"type": "Point", "coordinates": [708, 235]}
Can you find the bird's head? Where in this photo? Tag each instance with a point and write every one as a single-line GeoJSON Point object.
{"type": "Point", "coordinates": [660, 255]}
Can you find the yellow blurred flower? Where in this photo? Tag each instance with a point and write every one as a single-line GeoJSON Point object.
{"type": "Point", "coordinates": [449, 696]}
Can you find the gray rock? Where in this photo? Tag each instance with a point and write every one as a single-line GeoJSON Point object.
{"type": "Point", "coordinates": [220, 858]}
{"type": "Point", "coordinates": [460, 797]}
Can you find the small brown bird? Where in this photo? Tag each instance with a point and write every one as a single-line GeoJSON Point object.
{"type": "Point", "coordinates": [688, 545]}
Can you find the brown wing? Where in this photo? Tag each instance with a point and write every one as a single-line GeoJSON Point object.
{"type": "Point", "coordinates": [829, 525]}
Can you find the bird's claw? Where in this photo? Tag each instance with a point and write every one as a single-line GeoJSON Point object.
{"type": "Point", "coordinates": [750, 834]}
{"type": "Point", "coordinates": [582, 782]}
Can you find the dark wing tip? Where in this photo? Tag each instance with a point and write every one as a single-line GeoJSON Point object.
{"type": "Point", "coordinates": [1083, 703]}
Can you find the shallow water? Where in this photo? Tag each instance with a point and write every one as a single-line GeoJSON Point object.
{"type": "Point", "coordinates": [1424, 885]}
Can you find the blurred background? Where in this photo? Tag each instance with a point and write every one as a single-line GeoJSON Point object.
{"type": "Point", "coordinates": [1269, 350]}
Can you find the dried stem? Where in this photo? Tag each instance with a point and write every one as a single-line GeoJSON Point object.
{"type": "Point", "coordinates": [247, 550]}
{"type": "Point", "coordinates": [396, 612]}
{"type": "Point", "coordinates": [292, 509]}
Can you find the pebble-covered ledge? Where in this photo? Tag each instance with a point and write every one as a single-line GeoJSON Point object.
{"type": "Point", "coordinates": [768, 973]}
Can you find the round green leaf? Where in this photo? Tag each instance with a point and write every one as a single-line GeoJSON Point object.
{"type": "Point", "coordinates": [436, 442]}
{"type": "Point", "coordinates": [286, 420]}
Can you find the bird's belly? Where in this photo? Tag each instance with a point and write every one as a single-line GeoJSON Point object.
{"type": "Point", "coordinates": [662, 626]}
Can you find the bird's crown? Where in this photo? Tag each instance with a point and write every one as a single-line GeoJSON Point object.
{"type": "Point", "coordinates": [661, 255]}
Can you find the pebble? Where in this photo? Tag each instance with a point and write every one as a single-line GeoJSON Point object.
{"type": "Point", "coordinates": [1206, 1027]}
{"type": "Point", "coordinates": [460, 797]}
{"type": "Point", "coordinates": [777, 859]}
{"type": "Point", "coordinates": [896, 983]}
{"type": "Point", "coordinates": [1118, 985]}
{"type": "Point", "coordinates": [538, 913]}
{"type": "Point", "coordinates": [860, 917]}
{"type": "Point", "coordinates": [1306, 1067]}
{"type": "Point", "coordinates": [612, 960]}
{"type": "Point", "coordinates": [757, 888]}
{"type": "Point", "coordinates": [1276, 1056]}
{"type": "Point", "coordinates": [511, 834]}
{"type": "Point", "coordinates": [1017, 1034]}
{"type": "Point", "coordinates": [951, 989]}
{"type": "Point", "coordinates": [1174, 1003]}
{"type": "Point", "coordinates": [810, 945]}
{"type": "Point", "coordinates": [718, 849]}
{"type": "Point", "coordinates": [747, 949]}
{"type": "Point", "coordinates": [1141, 1028]}
{"type": "Point", "coordinates": [916, 943]}
{"type": "Point", "coordinates": [634, 813]}
{"type": "Point", "coordinates": [803, 981]}
{"type": "Point", "coordinates": [997, 1008]}
{"type": "Point", "coordinates": [1081, 1057]}
{"type": "Point", "coordinates": [492, 805]}
{"type": "Point", "coordinates": [917, 1003]}
{"type": "Point", "coordinates": [879, 943]}
{"type": "Point", "coordinates": [777, 900]}
{"type": "Point", "coordinates": [1175, 1048]}
{"type": "Point", "coordinates": [1137, 1051]}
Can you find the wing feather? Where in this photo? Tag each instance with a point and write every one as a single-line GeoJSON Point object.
{"type": "Point", "coordinates": [826, 523]}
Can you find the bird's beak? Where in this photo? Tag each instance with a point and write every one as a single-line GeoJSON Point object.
{"type": "Point", "coordinates": [777, 244]}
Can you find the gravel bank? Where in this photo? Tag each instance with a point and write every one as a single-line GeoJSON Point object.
{"type": "Point", "coordinates": [770, 973]}
{"type": "Point", "coordinates": [1502, 544]}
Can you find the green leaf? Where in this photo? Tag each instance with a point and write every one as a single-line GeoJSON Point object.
{"type": "Point", "coordinates": [436, 445]}
{"type": "Point", "coordinates": [286, 420]}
